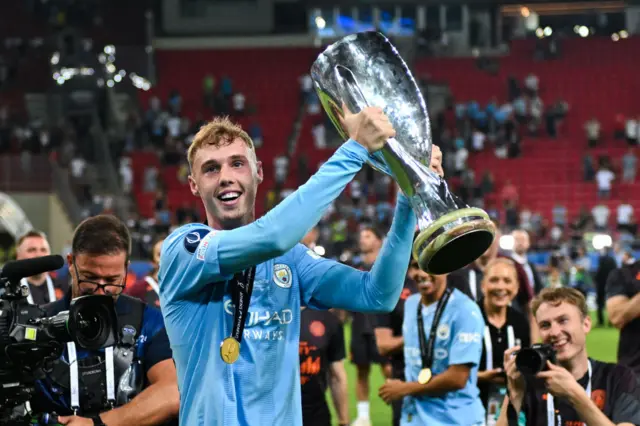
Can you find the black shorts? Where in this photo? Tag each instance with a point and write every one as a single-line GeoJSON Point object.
{"type": "Point", "coordinates": [364, 350]}
{"type": "Point", "coordinates": [396, 412]}
{"type": "Point", "coordinates": [318, 415]}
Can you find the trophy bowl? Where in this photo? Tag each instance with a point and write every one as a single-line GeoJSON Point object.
{"type": "Point", "coordinates": [363, 70]}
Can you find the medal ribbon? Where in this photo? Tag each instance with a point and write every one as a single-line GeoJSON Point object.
{"type": "Point", "coordinates": [241, 288]}
{"type": "Point", "coordinates": [427, 348]}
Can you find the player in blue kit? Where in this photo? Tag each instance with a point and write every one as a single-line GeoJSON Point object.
{"type": "Point", "coordinates": [231, 291]}
{"type": "Point", "coordinates": [442, 330]}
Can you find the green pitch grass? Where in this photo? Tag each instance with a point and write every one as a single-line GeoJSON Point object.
{"type": "Point", "coordinates": [602, 344]}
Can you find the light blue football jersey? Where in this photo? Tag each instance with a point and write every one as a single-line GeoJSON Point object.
{"type": "Point", "coordinates": [458, 341]}
{"type": "Point", "coordinates": [263, 386]}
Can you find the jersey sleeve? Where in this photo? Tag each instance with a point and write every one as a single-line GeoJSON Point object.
{"type": "Point", "coordinates": [188, 261]}
{"type": "Point", "coordinates": [336, 349]}
{"type": "Point", "coordinates": [466, 341]}
{"type": "Point", "coordinates": [329, 284]}
{"type": "Point", "coordinates": [383, 320]}
{"type": "Point", "coordinates": [311, 269]}
{"type": "Point", "coordinates": [616, 285]}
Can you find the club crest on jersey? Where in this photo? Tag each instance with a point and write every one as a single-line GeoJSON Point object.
{"type": "Point", "coordinates": [282, 275]}
{"type": "Point", "coordinates": [443, 331]}
{"type": "Point", "coordinates": [193, 238]}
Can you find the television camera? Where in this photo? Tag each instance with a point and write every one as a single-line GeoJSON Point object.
{"type": "Point", "coordinates": [30, 341]}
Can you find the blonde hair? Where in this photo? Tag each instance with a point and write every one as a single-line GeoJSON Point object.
{"type": "Point", "coordinates": [219, 132]}
{"type": "Point", "coordinates": [555, 296]}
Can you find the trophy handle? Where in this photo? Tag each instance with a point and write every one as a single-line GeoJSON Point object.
{"type": "Point", "coordinates": [349, 89]}
{"type": "Point", "coordinates": [391, 159]}
{"type": "Point", "coordinates": [355, 100]}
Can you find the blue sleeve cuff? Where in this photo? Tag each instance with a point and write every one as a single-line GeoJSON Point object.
{"type": "Point", "coordinates": [354, 148]}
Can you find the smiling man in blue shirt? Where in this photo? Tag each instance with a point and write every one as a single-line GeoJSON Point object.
{"type": "Point", "coordinates": [206, 275]}
{"type": "Point", "coordinates": [442, 330]}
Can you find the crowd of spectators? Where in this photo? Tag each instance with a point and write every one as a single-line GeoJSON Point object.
{"type": "Point", "coordinates": [461, 130]}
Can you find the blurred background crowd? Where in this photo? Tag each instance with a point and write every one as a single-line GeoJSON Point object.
{"type": "Point", "coordinates": [535, 108]}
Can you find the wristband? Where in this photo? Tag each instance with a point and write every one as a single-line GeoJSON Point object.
{"type": "Point", "coordinates": [97, 421]}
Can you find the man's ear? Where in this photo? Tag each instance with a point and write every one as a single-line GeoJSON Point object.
{"type": "Point", "coordinates": [587, 324]}
{"type": "Point", "coordinates": [70, 264]}
{"type": "Point", "coordinates": [193, 186]}
{"type": "Point", "coordinates": [259, 171]}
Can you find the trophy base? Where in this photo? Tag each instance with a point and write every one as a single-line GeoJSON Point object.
{"type": "Point", "coordinates": [454, 241]}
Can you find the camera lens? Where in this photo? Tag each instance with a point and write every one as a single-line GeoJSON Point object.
{"type": "Point", "coordinates": [92, 326]}
{"type": "Point", "coordinates": [89, 324]}
{"type": "Point", "coordinates": [93, 321]}
{"type": "Point", "coordinates": [529, 362]}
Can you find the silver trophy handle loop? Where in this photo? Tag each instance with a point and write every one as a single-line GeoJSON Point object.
{"type": "Point", "coordinates": [352, 96]}
{"type": "Point", "coordinates": [392, 155]}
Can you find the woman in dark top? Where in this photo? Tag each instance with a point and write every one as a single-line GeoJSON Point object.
{"type": "Point", "coordinates": [505, 328]}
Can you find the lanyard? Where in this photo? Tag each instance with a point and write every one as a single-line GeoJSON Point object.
{"type": "Point", "coordinates": [473, 284]}
{"type": "Point", "coordinates": [488, 344]}
{"type": "Point", "coordinates": [426, 349]}
{"type": "Point", "coordinates": [554, 419]}
{"type": "Point", "coordinates": [241, 288]}
{"type": "Point", "coordinates": [50, 289]}
{"type": "Point", "coordinates": [74, 382]}
{"type": "Point", "coordinates": [153, 283]}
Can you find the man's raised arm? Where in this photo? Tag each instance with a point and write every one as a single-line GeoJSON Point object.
{"type": "Point", "coordinates": [620, 308]}
{"type": "Point", "coordinates": [326, 283]}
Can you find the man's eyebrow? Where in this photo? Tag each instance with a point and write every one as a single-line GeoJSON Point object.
{"type": "Point", "coordinates": [93, 274]}
{"type": "Point", "coordinates": [209, 163]}
{"type": "Point", "coordinates": [238, 157]}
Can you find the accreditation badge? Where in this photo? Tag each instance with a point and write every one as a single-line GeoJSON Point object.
{"type": "Point", "coordinates": [494, 403]}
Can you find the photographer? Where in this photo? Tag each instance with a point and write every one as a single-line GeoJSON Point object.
{"type": "Point", "coordinates": [42, 288]}
{"type": "Point", "coordinates": [575, 389]}
{"type": "Point", "coordinates": [131, 383]}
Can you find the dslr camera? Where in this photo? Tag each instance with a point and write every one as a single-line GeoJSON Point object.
{"type": "Point", "coordinates": [532, 360]}
{"type": "Point", "coordinates": [30, 341]}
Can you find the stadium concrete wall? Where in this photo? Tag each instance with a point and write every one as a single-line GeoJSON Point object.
{"type": "Point", "coordinates": [46, 213]}
{"type": "Point", "coordinates": [231, 17]}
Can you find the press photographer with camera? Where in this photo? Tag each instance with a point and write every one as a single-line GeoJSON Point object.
{"type": "Point", "coordinates": [130, 383]}
{"type": "Point", "coordinates": [556, 383]}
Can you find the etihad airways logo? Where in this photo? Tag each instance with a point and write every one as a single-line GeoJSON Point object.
{"type": "Point", "coordinates": [263, 317]}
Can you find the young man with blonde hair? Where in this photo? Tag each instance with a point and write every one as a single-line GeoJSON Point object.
{"type": "Point", "coordinates": [577, 390]}
{"type": "Point", "coordinates": [231, 289]}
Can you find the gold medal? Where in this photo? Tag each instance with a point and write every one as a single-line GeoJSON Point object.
{"type": "Point", "coordinates": [230, 350]}
{"type": "Point", "coordinates": [424, 376]}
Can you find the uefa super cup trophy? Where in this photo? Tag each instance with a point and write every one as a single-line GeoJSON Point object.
{"type": "Point", "coordinates": [364, 70]}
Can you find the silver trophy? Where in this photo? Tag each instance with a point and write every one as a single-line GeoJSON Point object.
{"type": "Point", "coordinates": [364, 70]}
